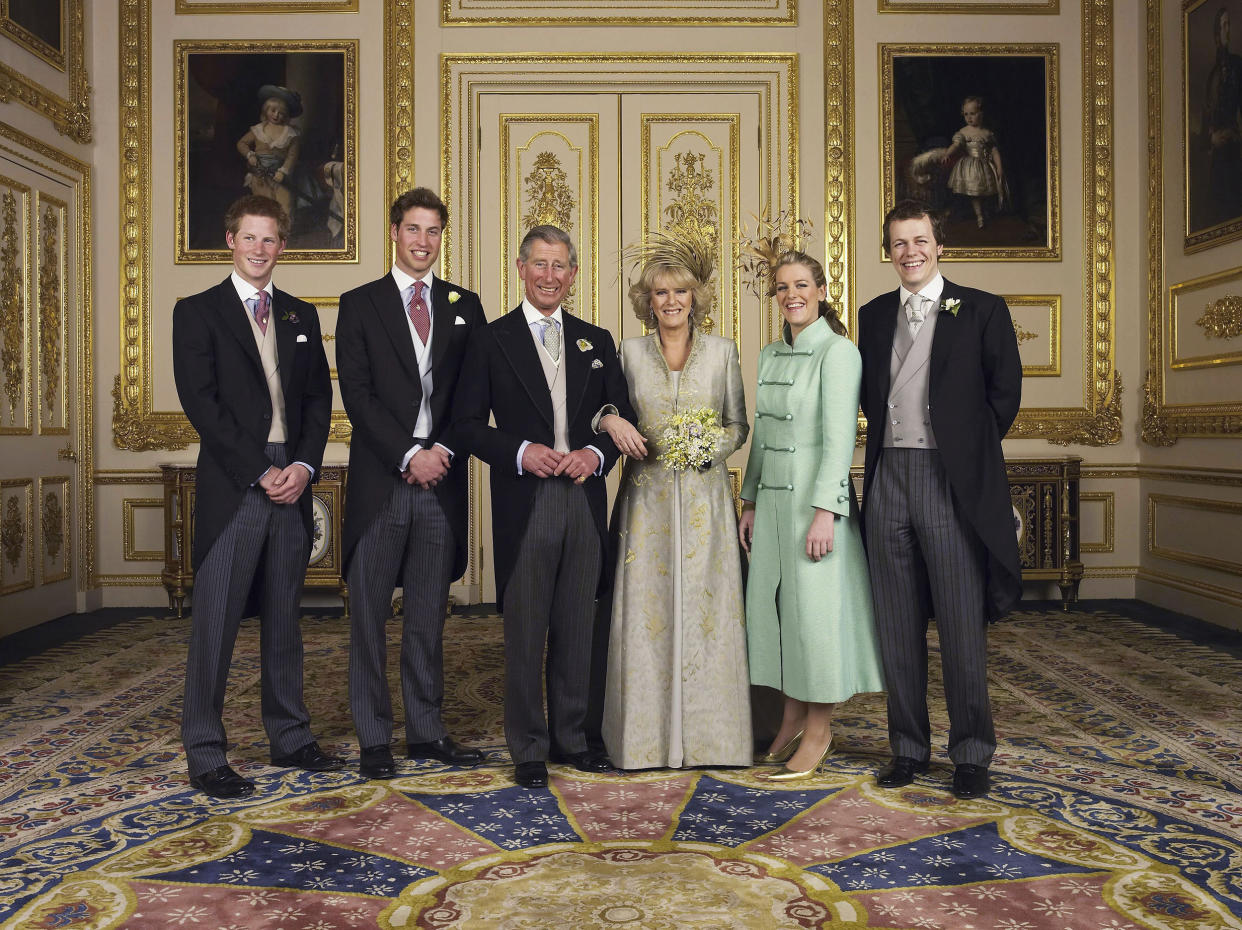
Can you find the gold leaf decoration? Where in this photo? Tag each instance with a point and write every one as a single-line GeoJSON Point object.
{"type": "Point", "coordinates": [13, 532]}
{"type": "Point", "coordinates": [49, 308]}
{"type": "Point", "coordinates": [693, 216]}
{"type": "Point", "coordinates": [53, 524]}
{"type": "Point", "coordinates": [549, 199]}
{"type": "Point", "coordinates": [1022, 334]}
{"type": "Point", "coordinates": [1222, 319]}
{"type": "Point", "coordinates": [11, 309]}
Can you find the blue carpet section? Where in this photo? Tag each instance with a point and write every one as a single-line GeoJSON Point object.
{"type": "Point", "coordinates": [275, 860]}
{"type": "Point", "coordinates": [729, 815]}
{"type": "Point", "coordinates": [976, 854]}
{"type": "Point", "coordinates": [512, 818]}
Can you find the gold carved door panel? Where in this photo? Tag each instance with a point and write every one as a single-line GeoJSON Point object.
{"type": "Point", "coordinates": [39, 399]}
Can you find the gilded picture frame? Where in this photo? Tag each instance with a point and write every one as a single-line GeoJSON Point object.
{"type": "Point", "coordinates": [291, 106]}
{"type": "Point", "coordinates": [618, 13]}
{"type": "Point", "coordinates": [996, 181]}
{"type": "Point", "coordinates": [54, 33]}
{"type": "Point", "coordinates": [1211, 123]}
{"type": "Point", "coordinates": [38, 26]}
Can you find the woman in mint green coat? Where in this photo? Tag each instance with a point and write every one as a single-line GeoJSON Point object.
{"type": "Point", "coordinates": [809, 622]}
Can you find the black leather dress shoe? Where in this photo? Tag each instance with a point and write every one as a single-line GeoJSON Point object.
{"type": "Point", "coordinates": [531, 774]}
{"type": "Point", "coordinates": [588, 761]}
{"type": "Point", "coordinates": [900, 772]}
{"type": "Point", "coordinates": [377, 762]}
{"type": "Point", "coordinates": [970, 781]}
{"type": "Point", "coordinates": [446, 751]}
{"type": "Point", "coordinates": [311, 758]}
{"type": "Point", "coordinates": [222, 783]}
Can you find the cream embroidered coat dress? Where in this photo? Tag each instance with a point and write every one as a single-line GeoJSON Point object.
{"type": "Point", "coordinates": [678, 691]}
{"type": "Point", "coordinates": [810, 625]}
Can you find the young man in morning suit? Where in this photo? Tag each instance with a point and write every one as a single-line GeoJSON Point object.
{"type": "Point", "coordinates": [399, 346]}
{"type": "Point", "coordinates": [942, 382]}
{"type": "Point", "coordinates": [544, 374]}
{"type": "Point", "coordinates": [253, 380]}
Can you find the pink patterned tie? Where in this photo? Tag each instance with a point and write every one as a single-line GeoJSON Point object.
{"type": "Point", "coordinates": [261, 310]}
{"type": "Point", "coordinates": [418, 312]}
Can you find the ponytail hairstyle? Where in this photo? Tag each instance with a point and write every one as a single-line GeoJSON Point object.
{"type": "Point", "coordinates": [826, 310]}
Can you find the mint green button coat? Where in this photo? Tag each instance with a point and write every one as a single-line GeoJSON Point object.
{"type": "Point", "coordinates": [810, 626]}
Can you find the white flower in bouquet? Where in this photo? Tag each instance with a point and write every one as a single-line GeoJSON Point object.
{"type": "Point", "coordinates": [689, 439]}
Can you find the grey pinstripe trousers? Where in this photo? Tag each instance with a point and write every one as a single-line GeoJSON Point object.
{"type": "Point", "coordinates": [551, 596]}
{"type": "Point", "coordinates": [925, 561]}
{"type": "Point", "coordinates": [411, 534]}
{"type": "Point", "coordinates": [272, 534]}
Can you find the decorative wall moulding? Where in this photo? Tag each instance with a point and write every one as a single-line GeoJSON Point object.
{"type": "Point", "coordinates": [54, 32]}
{"type": "Point", "coordinates": [136, 424]}
{"type": "Point", "coordinates": [1164, 421]}
{"type": "Point", "coordinates": [1205, 323]}
{"type": "Point", "coordinates": [619, 13]}
{"type": "Point", "coordinates": [1048, 7]}
{"type": "Point", "coordinates": [1037, 325]}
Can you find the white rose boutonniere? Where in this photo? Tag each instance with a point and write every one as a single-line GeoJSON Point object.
{"type": "Point", "coordinates": [952, 305]}
{"type": "Point", "coordinates": [584, 346]}
{"type": "Point", "coordinates": [454, 296]}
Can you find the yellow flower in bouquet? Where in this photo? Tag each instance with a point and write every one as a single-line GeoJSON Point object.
{"type": "Point", "coordinates": [689, 438]}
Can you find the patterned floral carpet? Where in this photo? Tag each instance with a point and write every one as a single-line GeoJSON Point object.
{"type": "Point", "coordinates": [1117, 804]}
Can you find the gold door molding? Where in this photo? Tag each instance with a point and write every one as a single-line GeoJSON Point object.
{"type": "Point", "coordinates": [16, 375]}
{"type": "Point", "coordinates": [51, 398]}
{"type": "Point", "coordinates": [1165, 421]}
{"type": "Point", "coordinates": [619, 13]}
{"type": "Point", "coordinates": [17, 535]}
{"type": "Point", "coordinates": [464, 77]}
{"type": "Point", "coordinates": [56, 529]}
{"type": "Point", "coordinates": [69, 109]}
{"type": "Point", "coordinates": [136, 425]}
{"type": "Point", "coordinates": [75, 263]}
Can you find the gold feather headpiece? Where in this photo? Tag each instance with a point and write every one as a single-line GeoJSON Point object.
{"type": "Point", "coordinates": [684, 250]}
{"type": "Point", "coordinates": [759, 250]}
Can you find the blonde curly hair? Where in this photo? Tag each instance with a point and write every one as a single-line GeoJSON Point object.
{"type": "Point", "coordinates": [703, 294]}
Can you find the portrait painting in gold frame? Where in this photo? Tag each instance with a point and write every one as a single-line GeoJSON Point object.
{"type": "Point", "coordinates": [973, 131]}
{"type": "Point", "coordinates": [1211, 122]}
{"type": "Point", "coordinates": [271, 118]}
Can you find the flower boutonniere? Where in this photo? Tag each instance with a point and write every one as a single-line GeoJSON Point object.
{"type": "Point", "coordinates": [951, 306]}
{"type": "Point", "coordinates": [290, 316]}
{"type": "Point", "coordinates": [584, 346]}
{"type": "Point", "coordinates": [454, 296]}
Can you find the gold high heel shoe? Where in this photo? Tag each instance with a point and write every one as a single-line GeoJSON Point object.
{"type": "Point", "coordinates": [786, 774]}
{"type": "Point", "coordinates": [782, 754]}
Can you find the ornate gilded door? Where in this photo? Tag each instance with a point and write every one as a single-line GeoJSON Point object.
{"type": "Point", "coordinates": [39, 397]}
{"type": "Point", "coordinates": [609, 167]}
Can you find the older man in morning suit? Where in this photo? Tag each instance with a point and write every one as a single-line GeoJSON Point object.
{"type": "Point", "coordinates": [942, 383]}
{"type": "Point", "coordinates": [400, 343]}
{"type": "Point", "coordinates": [253, 379]}
{"type": "Point", "coordinates": [544, 374]}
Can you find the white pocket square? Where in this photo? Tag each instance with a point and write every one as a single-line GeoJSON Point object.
{"type": "Point", "coordinates": [597, 364]}
{"type": "Point", "coordinates": [301, 337]}
{"type": "Point", "coordinates": [459, 322]}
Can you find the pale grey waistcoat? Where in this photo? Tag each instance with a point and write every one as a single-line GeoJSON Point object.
{"type": "Point", "coordinates": [266, 344]}
{"type": "Point", "coordinates": [908, 423]}
{"type": "Point", "coordinates": [555, 376]}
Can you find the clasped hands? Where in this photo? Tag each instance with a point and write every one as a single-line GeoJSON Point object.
{"type": "Point", "coordinates": [285, 485]}
{"type": "Point", "coordinates": [819, 537]}
{"type": "Point", "coordinates": [427, 467]}
{"type": "Point", "coordinates": [545, 462]}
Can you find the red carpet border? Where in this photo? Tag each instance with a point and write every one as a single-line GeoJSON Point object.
{"type": "Point", "coordinates": [1116, 805]}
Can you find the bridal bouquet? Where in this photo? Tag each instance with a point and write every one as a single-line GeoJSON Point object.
{"type": "Point", "coordinates": [689, 439]}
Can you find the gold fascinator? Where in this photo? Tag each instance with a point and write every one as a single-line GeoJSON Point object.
{"type": "Point", "coordinates": [760, 248]}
